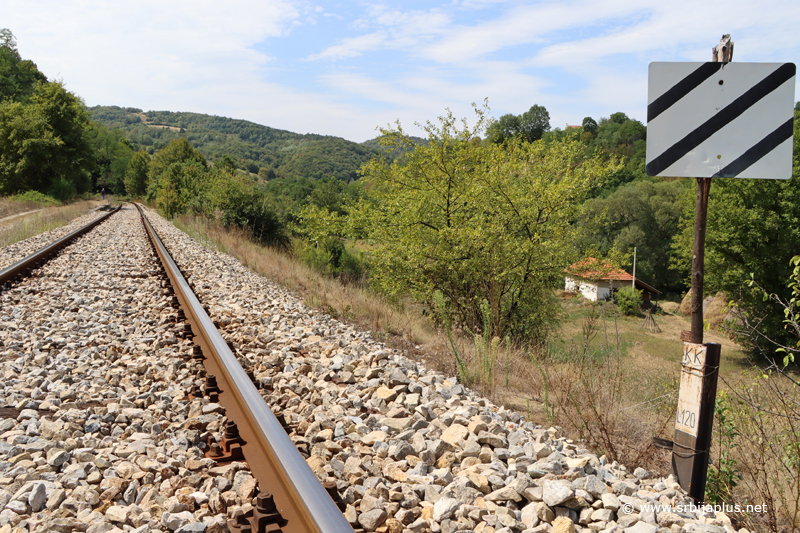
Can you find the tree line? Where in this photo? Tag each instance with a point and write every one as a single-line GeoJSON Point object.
{"type": "Point", "coordinates": [484, 218]}
{"type": "Point", "coordinates": [488, 220]}
{"type": "Point", "coordinates": [260, 150]}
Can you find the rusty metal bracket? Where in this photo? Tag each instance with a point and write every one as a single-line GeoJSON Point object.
{"type": "Point", "coordinates": [262, 518]}
{"type": "Point", "coordinates": [231, 448]}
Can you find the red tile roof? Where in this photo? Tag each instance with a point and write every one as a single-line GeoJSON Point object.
{"type": "Point", "coordinates": [591, 268]}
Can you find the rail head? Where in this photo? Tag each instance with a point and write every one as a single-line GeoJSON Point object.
{"type": "Point", "coordinates": [300, 496]}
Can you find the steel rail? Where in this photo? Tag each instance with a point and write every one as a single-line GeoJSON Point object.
{"type": "Point", "coordinates": [273, 458]}
{"type": "Point", "coordinates": [24, 265]}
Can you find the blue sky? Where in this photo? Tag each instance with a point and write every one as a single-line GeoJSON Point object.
{"type": "Point", "coordinates": [345, 68]}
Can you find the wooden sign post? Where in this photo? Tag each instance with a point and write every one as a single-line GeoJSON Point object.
{"type": "Point", "coordinates": [709, 120]}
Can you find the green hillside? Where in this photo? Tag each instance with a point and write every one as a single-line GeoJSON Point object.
{"type": "Point", "coordinates": [269, 152]}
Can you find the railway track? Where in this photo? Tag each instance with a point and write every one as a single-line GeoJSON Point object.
{"type": "Point", "coordinates": [297, 502]}
{"type": "Point", "coordinates": [25, 265]}
{"type": "Point", "coordinates": [290, 498]}
{"type": "Point", "coordinates": [119, 386]}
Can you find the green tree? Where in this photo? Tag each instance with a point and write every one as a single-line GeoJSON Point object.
{"type": "Point", "coordinates": [478, 222]}
{"type": "Point", "coordinates": [226, 163]}
{"type": "Point", "coordinates": [645, 215]}
{"type": "Point", "coordinates": [112, 154]}
{"type": "Point", "coordinates": [136, 175]}
{"type": "Point", "coordinates": [18, 77]}
{"type": "Point", "coordinates": [183, 185]}
{"type": "Point", "coordinates": [618, 118]}
{"type": "Point", "coordinates": [8, 41]}
{"type": "Point", "coordinates": [589, 125]}
{"type": "Point", "coordinates": [177, 151]}
{"type": "Point", "coordinates": [45, 140]}
{"type": "Point", "coordinates": [529, 126]}
{"type": "Point", "coordinates": [503, 129]}
{"type": "Point", "coordinates": [67, 116]}
{"type": "Point", "coordinates": [534, 123]}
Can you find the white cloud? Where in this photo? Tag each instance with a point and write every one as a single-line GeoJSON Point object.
{"type": "Point", "coordinates": [353, 47]}
{"type": "Point", "coordinates": [525, 25]}
{"type": "Point", "coordinates": [690, 25]}
{"type": "Point", "coordinates": [393, 29]}
{"type": "Point", "coordinates": [575, 57]}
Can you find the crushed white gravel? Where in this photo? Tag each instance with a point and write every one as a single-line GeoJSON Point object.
{"type": "Point", "coordinates": [97, 433]}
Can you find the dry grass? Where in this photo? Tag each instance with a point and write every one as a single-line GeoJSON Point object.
{"type": "Point", "coordinates": [23, 227]}
{"type": "Point", "coordinates": [761, 444]}
{"type": "Point", "coordinates": [10, 207]}
{"type": "Point", "coordinates": [404, 325]}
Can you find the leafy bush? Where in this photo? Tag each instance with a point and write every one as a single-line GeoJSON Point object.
{"type": "Point", "coordinates": [258, 218]}
{"type": "Point", "coordinates": [35, 197]}
{"type": "Point", "coordinates": [63, 189]}
{"type": "Point", "coordinates": [332, 258]}
{"type": "Point", "coordinates": [629, 301]}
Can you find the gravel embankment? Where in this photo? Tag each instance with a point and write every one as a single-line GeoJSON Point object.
{"type": "Point", "coordinates": [410, 449]}
{"type": "Point", "coordinates": [96, 431]}
{"type": "Point", "coordinates": [19, 250]}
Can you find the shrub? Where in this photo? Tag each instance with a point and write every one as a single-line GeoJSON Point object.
{"type": "Point", "coordinates": [252, 213]}
{"type": "Point", "coordinates": [629, 301]}
{"type": "Point", "coordinates": [35, 197]}
{"type": "Point", "coordinates": [63, 189]}
{"type": "Point", "coordinates": [477, 222]}
{"type": "Point", "coordinates": [331, 257]}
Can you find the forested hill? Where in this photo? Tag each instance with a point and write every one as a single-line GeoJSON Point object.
{"type": "Point", "coordinates": [269, 152]}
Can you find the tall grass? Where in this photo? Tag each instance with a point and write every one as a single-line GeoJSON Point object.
{"type": "Point", "coordinates": [21, 228]}
{"type": "Point", "coordinates": [14, 205]}
{"type": "Point", "coordinates": [605, 399]}
{"type": "Point", "coordinates": [759, 442]}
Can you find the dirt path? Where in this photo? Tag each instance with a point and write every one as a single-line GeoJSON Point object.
{"type": "Point", "coordinates": [12, 217]}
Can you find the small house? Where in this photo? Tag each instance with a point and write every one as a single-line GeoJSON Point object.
{"type": "Point", "coordinates": [597, 281]}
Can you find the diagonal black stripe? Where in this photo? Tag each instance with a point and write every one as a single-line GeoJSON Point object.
{"type": "Point", "coordinates": [759, 150]}
{"type": "Point", "coordinates": [681, 89]}
{"type": "Point", "coordinates": [672, 154]}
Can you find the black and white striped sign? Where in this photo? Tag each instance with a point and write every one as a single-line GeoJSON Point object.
{"type": "Point", "coordinates": [730, 120]}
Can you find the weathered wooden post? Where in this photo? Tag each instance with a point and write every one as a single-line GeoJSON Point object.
{"type": "Point", "coordinates": [711, 120]}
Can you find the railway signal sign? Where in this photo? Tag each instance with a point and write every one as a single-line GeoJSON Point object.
{"type": "Point", "coordinates": [726, 120]}
{"type": "Point", "coordinates": [713, 120]}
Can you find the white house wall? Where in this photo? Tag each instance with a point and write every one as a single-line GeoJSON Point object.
{"type": "Point", "coordinates": [593, 290]}
{"type": "Point", "coordinates": [587, 288]}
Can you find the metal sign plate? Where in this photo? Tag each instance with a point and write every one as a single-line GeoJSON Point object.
{"type": "Point", "coordinates": [709, 120]}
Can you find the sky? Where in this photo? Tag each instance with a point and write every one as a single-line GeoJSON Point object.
{"type": "Point", "coordinates": [348, 68]}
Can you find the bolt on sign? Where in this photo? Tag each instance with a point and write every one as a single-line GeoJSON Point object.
{"type": "Point", "coordinates": [727, 120]}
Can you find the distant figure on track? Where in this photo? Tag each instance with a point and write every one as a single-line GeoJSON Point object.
{"type": "Point", "coordinates": [103, 193]}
